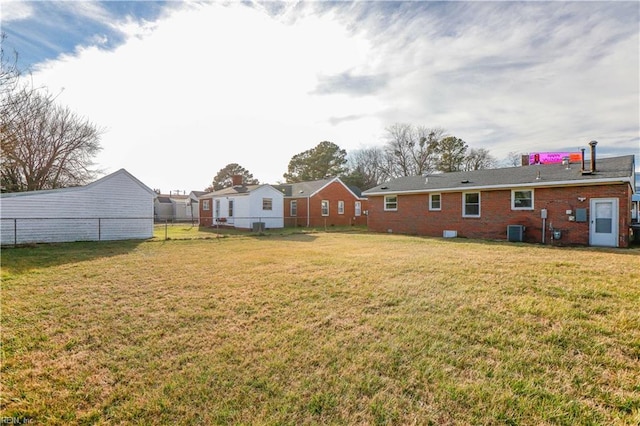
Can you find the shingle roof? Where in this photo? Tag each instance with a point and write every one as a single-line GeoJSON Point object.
{"type": "Point", "coordinates": [307, 189]}
{"type": "Point", "coordinates": [232, 190]}
{"type": "Point", "coordinates": [612, 169]}
{"type": "Point", "coordinates": [302, 189]}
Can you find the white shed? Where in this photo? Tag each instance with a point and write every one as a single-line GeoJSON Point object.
{"type": "Point", "coordinates": [247, 206]}
{"type": "Point", "coordinates": [115, 207]}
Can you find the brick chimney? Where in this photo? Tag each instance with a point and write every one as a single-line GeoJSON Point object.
{"type": "Point", "coordinates": [237, 180]}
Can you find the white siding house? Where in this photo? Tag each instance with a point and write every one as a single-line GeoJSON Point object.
{"type": "Point", "coordinates": [243, 206]}
{"type": "Point", "coordinates": [115, 207]}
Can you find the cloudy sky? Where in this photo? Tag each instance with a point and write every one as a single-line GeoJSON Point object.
{"type": "Point", "coordinates": [183, 89]}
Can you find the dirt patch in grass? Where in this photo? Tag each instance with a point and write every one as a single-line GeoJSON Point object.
{"type": "Point", "coordinates": [322, 328]}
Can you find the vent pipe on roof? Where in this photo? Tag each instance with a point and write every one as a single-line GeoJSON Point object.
{"type": "Point", "coordinates": [593, 144]}
{"type": "Point", "coordinates": [582, 149]}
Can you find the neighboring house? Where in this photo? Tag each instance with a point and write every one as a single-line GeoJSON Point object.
{"type": "Point", "coordinates": [552, 204]}
{"type": "Point", "coordinates": [243, 206]}
{"type": "Point", "coordinates": [172, 208]}
{"type": "Point", "coordinates": [194, 205]}
{"type": "Point", "coordinates": [115, 207]}
{"type": "Point", "coordinates": [326, 202]}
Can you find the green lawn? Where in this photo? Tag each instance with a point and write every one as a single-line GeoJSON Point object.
{"type": "Point", "coordinates": [319, 328]}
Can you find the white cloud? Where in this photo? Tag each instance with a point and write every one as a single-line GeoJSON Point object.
{"type": "Point", "coordinates": [210, 83]}
{"type": "Point", "coordinates": [15, 10]}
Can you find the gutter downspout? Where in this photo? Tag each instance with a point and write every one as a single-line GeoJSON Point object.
{"type": "Point", "coordinates": [308, 213]}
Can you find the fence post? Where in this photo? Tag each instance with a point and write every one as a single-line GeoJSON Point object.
{"type": "Point", "coordinates": [15, 232]}
{"type": "Point", "coordinates": [99, 229]}
{"type": "Point", "coordinates": [166, 225]}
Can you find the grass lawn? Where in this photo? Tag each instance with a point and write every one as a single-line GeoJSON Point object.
{"type": "Point", "coordinates": [320, 328]}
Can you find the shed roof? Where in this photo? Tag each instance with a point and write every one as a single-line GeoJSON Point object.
{"type": "Point", "coordinates": [80, 188]}
{"type": "Point", "coordinates": [609, 170]}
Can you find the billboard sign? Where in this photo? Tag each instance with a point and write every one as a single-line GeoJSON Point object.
{"type": "Point", "coordinates": [554, 157]}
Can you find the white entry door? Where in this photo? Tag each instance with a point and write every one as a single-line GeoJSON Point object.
{"type": "Point", "coordinates": [603, 228]}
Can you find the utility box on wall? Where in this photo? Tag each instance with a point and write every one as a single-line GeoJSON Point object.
{"type": "Point", "coordinates": [581, 215]}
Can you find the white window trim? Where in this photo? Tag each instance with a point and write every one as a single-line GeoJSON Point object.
{"type": "Point", "coordinates": [322, 209]}
{"type": "Point", "coordinates": [293, 205]}
{"type": "Point", "coordinates": [464, 214]}
{"type": "Point", "coordinates": [357, 207]}
{"type": "Point", "coordinates": [205, 205]}
{"type": "Point", "coordinates": [340, 207]}
{"type": "Point", "coordinates": [513, 199]}
{"type": "Point", "coordinates": [264, 200]}
{"type": "Point", "coordinates": [431, 208]}
{"type": "Point", "coordinates": [385, 203]}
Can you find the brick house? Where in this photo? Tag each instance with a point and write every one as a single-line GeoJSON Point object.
{"type": "Point", "coordinates": [560, 204]}
{"type": "Point", "coordinates": [326, 202]}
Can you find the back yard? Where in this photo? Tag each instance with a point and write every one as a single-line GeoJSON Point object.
{"type": "Point", "coordinates": [335, 328]}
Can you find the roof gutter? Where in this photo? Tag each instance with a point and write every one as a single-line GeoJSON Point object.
{"type": "Point", "coordinates": [589, 182]}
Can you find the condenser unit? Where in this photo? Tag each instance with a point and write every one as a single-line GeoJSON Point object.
{"type": "Point", "coordinates": [515, 233]}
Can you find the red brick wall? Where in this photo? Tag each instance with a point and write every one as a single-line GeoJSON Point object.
{"type": "Point", "coordinates": [413, 215]}
{"type": "Point", "coordinates": [301, 217]}
{"type": "Point", "coordinates": [206, 216]}
{"type": "Point", "coordinates": [333, 192]}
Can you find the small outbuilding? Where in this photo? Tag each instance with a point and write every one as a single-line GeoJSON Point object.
{"type": "Point", "coordinates": [115, 207]}
{"type": "Point", "coordinates": [252, 207]}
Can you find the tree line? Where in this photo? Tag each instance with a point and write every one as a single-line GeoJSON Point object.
{"type": "Point", "coordinates": [409, 150]}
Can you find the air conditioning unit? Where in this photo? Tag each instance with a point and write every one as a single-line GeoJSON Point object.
{"type": "Point", "coordinates": [515, 233]}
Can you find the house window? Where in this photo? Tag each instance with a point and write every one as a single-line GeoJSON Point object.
{"type": "Point", "coordinates": [217, 208]}
{"type": "Point", "coordinates": [340, 207]}
{"type": "Point", "coordinates": [391, 202]}
{"type": "Point", "coordinates": [522, 199]}
{"type": "Point", "coordinates": [230, 208]}
{"type": "Point", "coordinates": [294, 207]}
{"type": "Point", "coordinates": [435, 202]}
{"type": "Point", "coordinates": [471, 204]}
{"type": "Point", "coordinates": [205, 205]}
{"type": "Point", "coordinates": [358, 208]}
{"type": "Point", "coordinates": [267, 204]}
{"type": "Point", "coordinates": [324, 207]}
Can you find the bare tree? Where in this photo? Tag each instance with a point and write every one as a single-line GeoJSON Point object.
{"type": "Point", "coordinates": [44, 145]}
{"type": "Point", "coordinates": [409, 150]}
{"type": "Point", "coordinates": [477, 159]}
{"type": "Point", "coordinates": [365, 168]}
{"type": "Point", "coordinates": [9, 72]}
{"type": "Point", "coordinates": [514, 159]}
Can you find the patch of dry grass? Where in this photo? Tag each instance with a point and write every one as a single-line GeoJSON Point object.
{"type": "Point", "coordinates": [320, 328]}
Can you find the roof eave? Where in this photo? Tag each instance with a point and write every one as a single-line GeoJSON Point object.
{"type": "Point", "coordinates": [538, 184]}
